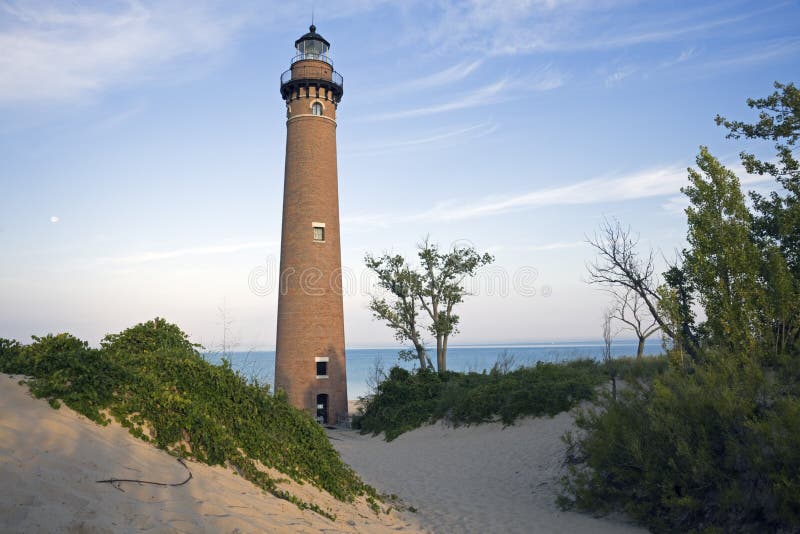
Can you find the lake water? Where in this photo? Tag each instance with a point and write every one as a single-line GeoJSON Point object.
{"type": "Point", "coordinates": [361, 362]}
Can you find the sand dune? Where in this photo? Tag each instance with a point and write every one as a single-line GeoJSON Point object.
{"type": "Point", "coordinates": [51, 459]}
{"type": "Point", "coordinates": [477, 479]}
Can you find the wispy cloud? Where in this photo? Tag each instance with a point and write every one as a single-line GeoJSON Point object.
{"type": "Point", "coordinates": [667, 33]}
{"type": "Point", "coordinates": [57, 51]}
{"type": "Point", "coordinates": [643, 184]}
{"type": "Point", "coordinates": [684, 56]}
{"type": "Point", "coordinates": [119, 117]}
{"type": "Point", "coordinates": [676, 205]}
{"type": "Point", "coordinates": [445, 77]}
{"type": "Point", "coordinates": [620, 74]}
{"type": "Point", "coordinates": [558, 245]}
{"type": "Point", "coordinates": [546, 78]}
{"type": "Point", "coordinates": [765, 52]}
{"type": "Point", "coordinates": [648, 183]}
{"type": "Point", "coordinates": [209, 250]}
{"type": "Point", "coordinates": [480, 97]}
{"type": "Point", "coordinates": [524, 27]}
{"type": "Point", "coordinates": [433, 139]}
{"type": "Point", "coordinates": [692, 62]}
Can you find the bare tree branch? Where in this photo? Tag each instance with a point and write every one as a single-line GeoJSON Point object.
{"type": "Point", "coordinates": [629, 309]}
{"type": "Point", "coordinates": [619, 265]}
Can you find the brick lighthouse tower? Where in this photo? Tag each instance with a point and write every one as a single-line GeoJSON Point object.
{"type": "Point", "coordinates": [309, 353]}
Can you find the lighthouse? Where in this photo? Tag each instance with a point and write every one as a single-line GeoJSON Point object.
{"type": "Point", "coordinates": [309, 352]}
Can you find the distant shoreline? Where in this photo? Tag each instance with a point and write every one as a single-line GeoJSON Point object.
{"type": "Point", "coordinates": [521, 345]}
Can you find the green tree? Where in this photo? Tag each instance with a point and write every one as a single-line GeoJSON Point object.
{"type": "Point", "coordinates": [435, 288]}
{"type": "Point", "coordinates": [677, 299]}
{"type": "Point", "coordinates": [778, 121]}
{"type": "Point", "coordinates": [402, 313]}
{"type": "Point", "coordinates": [776, 221]}
{"type": "Point", "coordinates": [722, 260]}
{"type": "Point", "coordinates": [680, 287]}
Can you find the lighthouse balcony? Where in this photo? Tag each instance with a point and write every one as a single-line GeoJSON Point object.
{"type": "Point", "coordinates": [303, 56]}
{"type": "Point", "coordinates": [323, 75]}
{"type": "Point", "coordinates": [300, 79]}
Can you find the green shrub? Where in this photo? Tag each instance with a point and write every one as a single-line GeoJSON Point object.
{"type": "Point", "coordinates": [152, 380]}
{"type": "Point", "coordinates": [631, 369]}
{"type": "Point", "coordinates": [405, 401]}
{"type": "Point", "coordinates": [64, 367]}
{"type": "Point", "coordinates": [11, 361]}
{"type": "Point", "coordinates": [156, 334]}
{"type": "Point", "coordinates": [402, 402]}
{"type": "Point", "coordinates": [715, 449]}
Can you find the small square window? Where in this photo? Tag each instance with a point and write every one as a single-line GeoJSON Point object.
{"type": "Point", "coordinates": [322, 369]}
{"type": "Point", "coordinates": [319, 233]}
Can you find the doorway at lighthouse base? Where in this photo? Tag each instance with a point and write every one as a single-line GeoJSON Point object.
{"type": "Point", "coordinates": [322, 405]}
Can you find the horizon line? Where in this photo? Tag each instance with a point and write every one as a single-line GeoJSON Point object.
{"type": "Point", "coordinates": [499, 345]}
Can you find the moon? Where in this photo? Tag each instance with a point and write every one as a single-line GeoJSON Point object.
{"type": "Point", "coordinates": [53, 219]}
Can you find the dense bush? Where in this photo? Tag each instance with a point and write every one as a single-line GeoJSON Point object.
{"type": "Point", "coordinates": [151, 336]}
{"type": "Point", "coordinates": [405, 400]}
{"type": "Point", "coordinates": [66, 369]}
{"type": "Point", "coordinates": [717, 448]}
{"type": "Point", "coordinates": [152, 380]}
{"type": "Point", "coordinates": [713, 444]}
{"type": "Point", "coordinates": [631, 369]}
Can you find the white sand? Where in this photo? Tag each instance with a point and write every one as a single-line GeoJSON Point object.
{"type": "Point", "coordinates": [50, 460]}
{"type": "Point", "coordinates": [476, 479]}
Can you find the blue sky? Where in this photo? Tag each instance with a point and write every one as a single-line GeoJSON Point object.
{"type": "Point", "coordinates": [142, 144]}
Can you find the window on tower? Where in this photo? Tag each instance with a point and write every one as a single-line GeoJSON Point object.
{"type": "Point", "coordinates": [319, 231]}
{"type": "Point", "coordinates": [316, 108]}
{"type": "Point", "coordinates": [322, 367]}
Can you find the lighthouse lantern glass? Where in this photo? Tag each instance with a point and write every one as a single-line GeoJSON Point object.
{"type": "Point", "coordinates": [312, 49]}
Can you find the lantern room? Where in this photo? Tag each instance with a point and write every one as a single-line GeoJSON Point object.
{"type": "Point", "coordinates": [312, 46]}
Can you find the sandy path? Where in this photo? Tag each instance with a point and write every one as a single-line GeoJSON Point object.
{"type": "Point", "coordinates": [50, 460]}
{"type": "Point", "coordinates": [478, 479]}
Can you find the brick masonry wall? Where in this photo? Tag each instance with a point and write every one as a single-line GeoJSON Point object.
{"type": "Point", "coordinates": [310, 314]}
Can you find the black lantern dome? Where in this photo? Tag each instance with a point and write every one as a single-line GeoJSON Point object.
{"type": "Point", "coordinates": [313, 46]}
